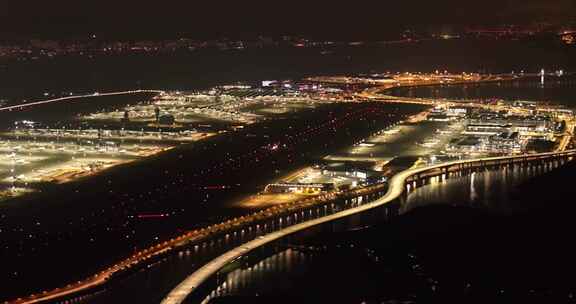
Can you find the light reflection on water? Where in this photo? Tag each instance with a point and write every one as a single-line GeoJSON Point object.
{"type": "Point", "coordinates": [243, 279]}
{"type": "Point", "coordinates": [556, 89]}
{"type": "Point", "coordinates": [488, 189]}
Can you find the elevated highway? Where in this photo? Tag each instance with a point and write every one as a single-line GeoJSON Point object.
{"type": "Point", "coordinates": [72, 98]}
{"type": "Point", "coordinates": [277, 222]}
{"type": "Point", "coordinates": [399, 185]}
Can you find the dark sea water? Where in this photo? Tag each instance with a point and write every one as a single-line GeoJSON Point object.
{"type": "Point", "coordinates": [556, 90]}
{"type": "Point", "coordinates": [32, 79]}
{"type": "Point", "coordinates": [396, 261]}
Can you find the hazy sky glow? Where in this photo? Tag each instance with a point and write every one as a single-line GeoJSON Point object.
{"type": "Point", "coordinates": [220, 17]}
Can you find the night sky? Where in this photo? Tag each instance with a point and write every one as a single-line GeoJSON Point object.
{"type": "Point", "coordinates": [213, 18]}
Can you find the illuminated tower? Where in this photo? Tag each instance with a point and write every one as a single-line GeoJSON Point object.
{"type": "Point", "coordinates": [542, 73]}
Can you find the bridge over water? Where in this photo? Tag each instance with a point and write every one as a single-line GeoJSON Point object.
{"type": "Point", "coordinates": [264, 227]}
{"type": "Point", "coordinates": [399, 186]}
{"type": "Point", "coordinates": [72, 98]}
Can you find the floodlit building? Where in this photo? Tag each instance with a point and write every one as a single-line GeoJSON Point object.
{"type": "Point", "coordinates": [304, 188]}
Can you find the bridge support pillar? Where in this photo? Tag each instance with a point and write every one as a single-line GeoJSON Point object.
{"type": "Point", "coordinates": [445, 173]}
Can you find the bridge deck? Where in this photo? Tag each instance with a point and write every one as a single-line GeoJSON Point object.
{"type": "Point", "coordinates": [396, 188]}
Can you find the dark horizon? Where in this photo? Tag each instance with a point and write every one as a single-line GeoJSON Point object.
{"type": "Point", "coordinates": [215, 19]}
